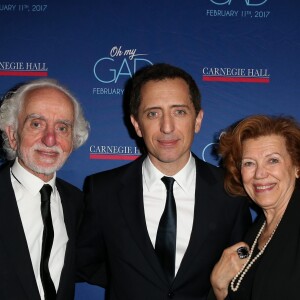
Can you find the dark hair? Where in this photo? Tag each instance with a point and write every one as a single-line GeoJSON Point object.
{"type": "Point", "coordinates": [158, 72]}
{"type": "Point", "coordinates": [231, 144]}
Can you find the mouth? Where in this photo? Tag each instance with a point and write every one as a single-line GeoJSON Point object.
{"type": "Point", "coordinates": [262, 188]}
{"type": "Point", "coordinates": [167, 143]}
{"type": "Point", "coordinates": [48, 153]}
{"type": "Point", "coordinates": [48, 157]}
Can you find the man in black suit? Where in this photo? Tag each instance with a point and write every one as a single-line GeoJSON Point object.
{"type": "Point", "coordinates": [41, 124]}
{"type": "Point", "coordinates": [119, 246]}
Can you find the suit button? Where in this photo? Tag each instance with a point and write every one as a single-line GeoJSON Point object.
{"type": "Point", "coordinates": [171, 294]}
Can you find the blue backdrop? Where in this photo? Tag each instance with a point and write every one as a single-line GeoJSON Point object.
{"type": "Point", "coordinates": [243, 54]}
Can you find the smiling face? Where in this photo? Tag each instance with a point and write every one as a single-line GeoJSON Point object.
{"type": "Point", "coordinates": [167, 122]}
{"type": "Point", "coordinates": [44, 137]}
{"type": "Point", "coordinates": [267, 171]}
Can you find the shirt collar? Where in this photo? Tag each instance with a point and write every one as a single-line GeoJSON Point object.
{"type": "Point", "coordinates": [30, 182]}
{"type": "Point", "coordinates": [183, 178]}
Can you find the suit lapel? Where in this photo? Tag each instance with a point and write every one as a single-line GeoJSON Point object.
{"type": "Point", "coordinates": [13, 236]}
{"type": "Point", "coordinates": [66, 200]}
{"type": "Point", "coordinates": [131, 201]}
{"type": "Point", "coordinates": [203, 213]}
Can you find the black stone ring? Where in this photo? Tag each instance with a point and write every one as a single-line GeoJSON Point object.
{"type": "Point", "coordinates": [242, 252]}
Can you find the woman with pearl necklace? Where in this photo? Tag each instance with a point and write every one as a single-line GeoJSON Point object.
{"type": "Point", "coordinates": [262, 157]}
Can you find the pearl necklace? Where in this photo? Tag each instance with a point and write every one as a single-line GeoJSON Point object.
{"type": "Point", "coordinates": [250, 262]}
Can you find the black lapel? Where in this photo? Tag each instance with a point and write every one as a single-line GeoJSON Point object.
{"type": "Point", "coordinates": [70, 223]}
{"type": "Point", "coordinates": [131, 201]}
{"type": "Point", "coordinates": [13, 236]}
{"type": "Point", "coordinates": [203, 213]}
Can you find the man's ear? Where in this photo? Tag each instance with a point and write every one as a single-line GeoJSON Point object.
{"type": "Point", "coordinates": [198, 122]}
{"type": "Point", "coordinates": [136, 126]}
{"type": "Point", "coordinates": [12, 137]}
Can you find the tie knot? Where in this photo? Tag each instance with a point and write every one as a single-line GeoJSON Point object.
{"type": "Point", "coordinates": [168, 181]}
{"type": "Point", "coordinates": [46, 192]}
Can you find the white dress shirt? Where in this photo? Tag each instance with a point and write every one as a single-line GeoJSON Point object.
{"type": "Point", "coordinates": [154, 192]}
{"type": "Point", "coordinates": [27, 191]}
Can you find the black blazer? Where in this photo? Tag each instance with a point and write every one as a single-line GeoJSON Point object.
{"type": "Point", "coordinates": [114, 235]}
{"type": "Point", "coordinates": [17, 279]}
{"type": "Point", "coordinates": [278, 273]}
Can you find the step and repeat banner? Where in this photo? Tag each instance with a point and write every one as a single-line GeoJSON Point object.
{"type": "Point", "coordinates": [243, 54]}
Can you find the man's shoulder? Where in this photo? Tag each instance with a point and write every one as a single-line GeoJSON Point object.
{"type": "Point", "coordinates": [208, 170]}
{"type": "Point", "coordinates": [119, 171]}
{"type": "Point", "coordinates": [5, 166]}
{"type": "Point", "coordinates": [61, 183]}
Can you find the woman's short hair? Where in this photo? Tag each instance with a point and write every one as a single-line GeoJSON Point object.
{"type": "Point", "coordinates": [12, 105]}
{"type": "Point", "coordinates": [231, 141]}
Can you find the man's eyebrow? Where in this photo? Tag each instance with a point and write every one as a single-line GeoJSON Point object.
{"type": "Point", "coordinates": [180, 105]}
{"type": "Point", "coordinates": [152, 107]}
{"type": "Point", "coordinates": [66, 122]}
{"type": "Point", "coordinates": [172, 106]}
{"type": "Point", "coordinates": [34, 116]}
{"type": "Point", "coordinates": [37, 116]}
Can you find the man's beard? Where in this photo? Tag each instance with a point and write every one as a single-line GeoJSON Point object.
{"type": "Point", "coordinates": [30, 164]}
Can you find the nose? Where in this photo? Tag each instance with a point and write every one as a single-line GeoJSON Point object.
{"type": "Point", "coordinates": [260, 172]}
{"type": "Point", "coordinates": [167, 124]}
{"type": "Point", "coordinates": [49, 137]}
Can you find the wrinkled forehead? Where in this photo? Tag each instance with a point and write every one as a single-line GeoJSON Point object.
{"type": "Point", "coordinates": [48, 101]}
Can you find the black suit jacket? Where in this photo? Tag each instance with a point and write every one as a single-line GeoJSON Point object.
{"type": "Point", "coordinates": [114, 235]}
{"type": "Point", "coordinates": [17, 279]}
{"type": "Point", "coordinates": [277, 275]}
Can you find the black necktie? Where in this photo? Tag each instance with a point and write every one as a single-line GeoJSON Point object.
{"type": "Point", "coordinates": [48, 235]}
{"type": "Point", "coordinates": [165, 245]}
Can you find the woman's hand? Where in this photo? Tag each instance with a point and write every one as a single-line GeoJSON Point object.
{"type": "Point", "coordinates": [230, 263]}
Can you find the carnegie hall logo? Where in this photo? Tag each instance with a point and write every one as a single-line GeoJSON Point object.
{"type": "Point", "coordinates": [21, 68]}
{"type": "Point", "coordinates": [114, 152]}
{"type": "Point", "coordinates": [247, 75]}
{"type": "Point", "coordinates": [112, 70]}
